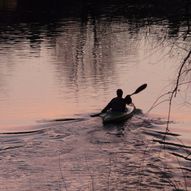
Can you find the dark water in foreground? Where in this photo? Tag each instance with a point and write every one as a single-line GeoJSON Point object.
{"type": "Point", "coordinates": [85, 155]}
{"type": "Point", "coordinates": [63, 61]}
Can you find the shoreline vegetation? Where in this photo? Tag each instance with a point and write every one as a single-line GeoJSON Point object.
{"type": "Point", "coordinates": [175, 13]}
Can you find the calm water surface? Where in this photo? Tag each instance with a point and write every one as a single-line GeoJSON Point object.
{"type": "Point", "coordinates": [76, 68]}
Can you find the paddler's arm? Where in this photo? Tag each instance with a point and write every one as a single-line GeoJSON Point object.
{"type": "Point", "coordinates": [132, 104]}
{"type": "Point", "coordinates": [108, 106]}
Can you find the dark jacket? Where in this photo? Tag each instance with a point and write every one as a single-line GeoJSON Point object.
{"type": "Point", "coordinates": [117, 104]}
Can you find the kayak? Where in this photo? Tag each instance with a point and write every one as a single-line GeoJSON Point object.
{"type": "Point", "coordinates": [112, 117]}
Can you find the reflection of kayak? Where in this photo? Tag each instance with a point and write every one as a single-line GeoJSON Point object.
{"type": "Point", "coordinates": [110, 117]}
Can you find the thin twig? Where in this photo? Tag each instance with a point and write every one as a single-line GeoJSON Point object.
{"type": "Point", "coordinates": [61, 173]}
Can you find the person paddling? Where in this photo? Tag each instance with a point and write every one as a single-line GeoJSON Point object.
{"type": "Point", "coordinates": [113, 104]}
{"type": "Point", "coordinates": [118, 104]}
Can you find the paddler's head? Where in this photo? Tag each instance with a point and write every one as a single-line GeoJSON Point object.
{"type": "Point", "coordinates": [119, 93]}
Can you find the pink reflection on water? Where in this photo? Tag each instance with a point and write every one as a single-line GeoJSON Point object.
{"type": "Point", "coordinates": [74, 74]}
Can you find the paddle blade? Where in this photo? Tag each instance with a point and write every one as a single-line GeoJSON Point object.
{"type": "Point", "coordinates": [139, 89]}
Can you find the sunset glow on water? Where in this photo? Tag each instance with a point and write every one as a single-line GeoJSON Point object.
{"type": "Point", "coordinates": [73, 75]}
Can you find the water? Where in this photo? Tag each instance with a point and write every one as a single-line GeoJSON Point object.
{"type": "Point", "coordinates": [85, 155]}
{"type": "Point", "coordinates": [61, 73]}
{"type": "Point", "coordinates": [66, 63]}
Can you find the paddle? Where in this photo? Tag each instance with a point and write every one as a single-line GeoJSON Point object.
{"type": "Point", "coordinates": [139, 89]}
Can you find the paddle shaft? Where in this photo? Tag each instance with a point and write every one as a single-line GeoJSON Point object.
{"type": "Point", "coordinates": [139, 89]}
